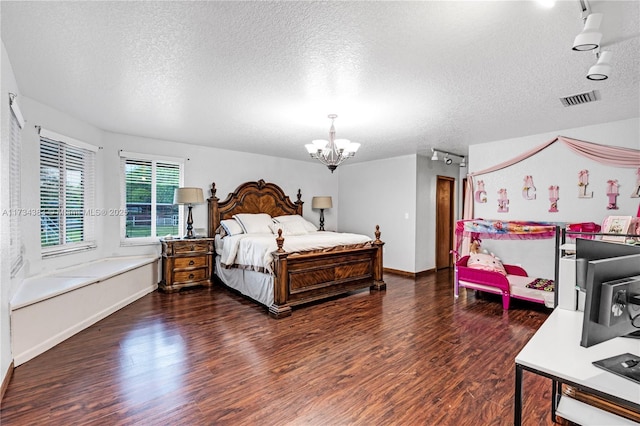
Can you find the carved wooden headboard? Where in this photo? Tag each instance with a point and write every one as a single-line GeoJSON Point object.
{"type": "Point", "coordinates": [251, 197]}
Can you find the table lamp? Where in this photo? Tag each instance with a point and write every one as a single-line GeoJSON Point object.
{"type": "Point", "coordinates": [321, 203]}
{"type": "Point", "coordinates": [188, 196]}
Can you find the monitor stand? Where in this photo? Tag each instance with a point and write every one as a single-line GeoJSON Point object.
{"type": "Point", "coordinates": [633, 335]}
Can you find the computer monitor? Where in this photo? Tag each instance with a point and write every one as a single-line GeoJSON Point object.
{"type": "Point", "coordinates": [587, 250]}
{"type": "Point", "coordinates": [612, 299]}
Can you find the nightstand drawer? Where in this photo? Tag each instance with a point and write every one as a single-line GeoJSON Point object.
{"type": "Point", "coordinates": [187, 276]}
{"type": "Point", "coordinates": [189, 262]}
{"type": "Point", "coordinates": [190, 247]}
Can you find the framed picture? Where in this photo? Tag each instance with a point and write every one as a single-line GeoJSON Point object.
{"type": "Point", "coordinates": [616, 225]}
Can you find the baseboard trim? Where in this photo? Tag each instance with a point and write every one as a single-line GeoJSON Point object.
{"type": "Point", "coordinates": [426, 272]}
{"type": "Point", "coordinates": [408, 274]}
{"type": "Point", "coordinates": [6, 381]}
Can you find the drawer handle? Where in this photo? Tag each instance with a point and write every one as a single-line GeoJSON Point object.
{"type": "Point", "coordinates": [191, 276]}
{"type": "Point", "coordinates": [191, 262]}
{"type": "Point", "coordinates": [193, 248]}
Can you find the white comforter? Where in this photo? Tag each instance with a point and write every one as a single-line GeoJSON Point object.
{"type": "Point", "coordinates": [254, 251]}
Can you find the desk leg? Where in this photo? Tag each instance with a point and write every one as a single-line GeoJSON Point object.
{"type": "Point", "coordinates": [556, 390]}
{"type": "Point", "coordinates": [517, 409]}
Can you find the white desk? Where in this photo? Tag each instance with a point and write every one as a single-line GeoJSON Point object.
{"type": "Point", "coordinates": [555, 352]}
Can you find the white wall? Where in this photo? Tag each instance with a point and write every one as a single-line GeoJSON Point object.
{"type": "Point", "coordinates": [399, 194]}
{"type": "Point", "coordinates": [382, 193]}
{"type": "Point", "coordinates": [556, 165]}
{"type": "Point", "coordinates": [427, 178]}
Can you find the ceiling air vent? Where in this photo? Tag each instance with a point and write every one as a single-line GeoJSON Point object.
{"type": "Point", "coordinates": [581, 98]}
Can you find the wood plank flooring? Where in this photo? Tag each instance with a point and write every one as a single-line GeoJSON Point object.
{"type": "Point", "coordinates": [412, 355]}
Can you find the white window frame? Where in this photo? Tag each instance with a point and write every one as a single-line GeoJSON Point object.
{"type": "Point", "coordinates": [15, 186]}
{"type": "Point", "coordinates": [154, 159]}
{"type": "Point", "coordinates": [89, 211]}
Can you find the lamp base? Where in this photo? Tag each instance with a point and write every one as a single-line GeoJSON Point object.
{"type": "Point", "coordinates": [321, 220]}
{"type": "Point", "coordinates": [189, 234]}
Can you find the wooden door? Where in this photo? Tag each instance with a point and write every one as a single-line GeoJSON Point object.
{"type": "Point", "coordinates": [445, 201]}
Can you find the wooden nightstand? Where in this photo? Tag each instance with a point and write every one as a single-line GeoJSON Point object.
{"type": "Point", "coordinates": [185, 263]}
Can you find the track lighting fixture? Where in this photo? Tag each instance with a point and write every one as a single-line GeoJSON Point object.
{"type": "Point", "coordinates": [590, 36]}
{"type": "Point", "coordinates": [602, 68]}
{"type": "Point", "coordinates": [589, 39]}
{"type": "Point", "coordinates": [449, 157]}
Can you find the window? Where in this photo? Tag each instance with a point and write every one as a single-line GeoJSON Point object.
{"type": "Point", "coordinates": [15, 203]}
{"type": "Point", "coordinates": [148, 183]}
{"type": "Point", "coordinates": [66, 194]}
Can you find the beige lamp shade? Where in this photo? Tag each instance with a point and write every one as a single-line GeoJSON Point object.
{"type": "Point", "coordinates": [188, 195]}
{"type": "Point", "coordinates": [321, 203]}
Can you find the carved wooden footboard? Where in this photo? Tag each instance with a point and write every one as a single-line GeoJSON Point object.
{"type": "Point", "coordinates": [306, 277]}
{"type": "Point", "coordinates": [301, 277]}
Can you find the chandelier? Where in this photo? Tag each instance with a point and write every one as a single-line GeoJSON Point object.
{"type": "Point", "coordinates": [333, 152]}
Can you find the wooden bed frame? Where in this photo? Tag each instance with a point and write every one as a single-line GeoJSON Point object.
{"type": "Point", "coordinates": [306, 276]}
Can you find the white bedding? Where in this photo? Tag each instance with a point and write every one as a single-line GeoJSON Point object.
{"type": "Point", "coordinates": [254, 251]}
{"type": "Point", "coordinates": [256, 285]}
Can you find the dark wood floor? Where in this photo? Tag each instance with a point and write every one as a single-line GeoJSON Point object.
{"type": "Point", "coordinates": [412, 355]}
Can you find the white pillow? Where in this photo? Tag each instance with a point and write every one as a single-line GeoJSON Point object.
{"type": "Point", "coordinates": [310, 227]}
{"type": "Point", "coordinates": [289, 228]}
{"type": "Point", "coordinates": [231, 227]}
{"type": "Point", "coordinates": [254, 223]}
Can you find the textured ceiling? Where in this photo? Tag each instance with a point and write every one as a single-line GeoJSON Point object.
{"type": "Point", "coordinates": [263, 76]}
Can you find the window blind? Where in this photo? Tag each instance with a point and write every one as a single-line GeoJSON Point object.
{"type": "Point", "coordinates": [15, 188]}
{"type": "Point", "coordinates": [67, 197]}
{"type": "Point", "coordinates": [147, 187]}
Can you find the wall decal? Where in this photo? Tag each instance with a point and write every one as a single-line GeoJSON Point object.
{"type": "Point", "coordinates": [583, 182]}
{"type": "Point", "coordinates": [481, 194]}
{"type": "Point", "coordinates": [503, 201]}
{"type": "Point", "coordinates": [553, 197]}
{"type": "Point", "coordinates": [528, 190]}
{"type": "Point", "coordinates": [612, 193]}
{"type": "Point", "coordinates": [636, 190]}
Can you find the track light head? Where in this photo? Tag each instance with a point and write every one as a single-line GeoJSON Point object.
{"type": "Point", "coordinates": [602, 69]}
{"type": "Point", "coordinates": [589, 38]}
{"type": "Point", "coordinates": [434, 157]}
{"type": "Point", "coordinates": [447, 160]}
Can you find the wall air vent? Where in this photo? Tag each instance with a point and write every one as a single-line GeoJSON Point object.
{"type": "Point", "coordinates": [580, 98]}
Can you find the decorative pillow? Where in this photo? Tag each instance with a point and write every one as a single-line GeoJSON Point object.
{"type": "Point", "coordinates": [485, 262]}
{"type": "Point", "coordinates": [541, 284]}
{"type": "Point", "coordinates": [254, 223]}
{"type": "Point", "coordinates": [310, 227]}
{"type": "Point", "coordinates": [289, 228]}
{"type": "Point", "coordinates": [230, 227]}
